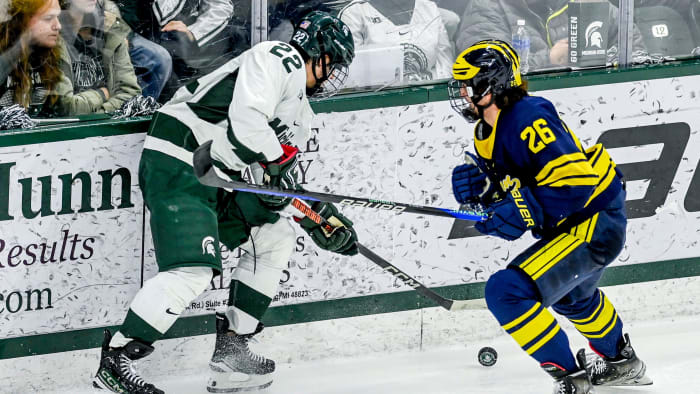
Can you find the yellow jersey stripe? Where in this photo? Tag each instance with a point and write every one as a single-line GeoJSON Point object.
{"type": "Point", "coordinates": [522, 317]}
{"type": "Point", "coordinates": [575, 244]}
{"type": "Point", "coordinates": [542, 251]}
{"type": "Point", "coordinates": [604, 333]}
{"type": "Point", "coordinates": [561, 161]}
{"type": "Point", "coordinates": [608, 178]}
{"type": "Point", "coordinates": [544, 340]}
{"type": "Point", "coordinates": [597, 151]}
{"type": "Point", "coordinates": [582, 180]}
{"type": "Point", "coordinates": [591, 227]}
{"type": "Point", "coordinates": [576, 140]}
{"type": "Point", "coordinates": [606, 315]}
{"type": "Point", "coordinates": [589, 318]}
{"type": "Point", "coordinates": [533, 328]}
{"type": "Point", "coordinates": [553, 253]}
{"type": "Point", "coordinates": [577, 231]}
{"type": "Point", "coordinates": [485, 147]}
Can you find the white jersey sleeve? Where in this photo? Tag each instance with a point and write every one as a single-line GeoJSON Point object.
{"type": "Point", "coordinates": [213, 18]}
{"type": "Point", "coordinates": [271, 76]}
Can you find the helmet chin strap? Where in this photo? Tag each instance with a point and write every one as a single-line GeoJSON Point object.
{"type": "Point", "coordinates": [324, 71]}
{"type": "Point", "coordinates": [319, 80]}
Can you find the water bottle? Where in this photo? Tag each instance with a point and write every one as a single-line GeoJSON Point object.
{"type": "Point", "coordinates": [521, 43]}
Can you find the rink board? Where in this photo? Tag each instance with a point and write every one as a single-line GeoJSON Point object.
{"type": "Point", "coordinates": [71, 263]}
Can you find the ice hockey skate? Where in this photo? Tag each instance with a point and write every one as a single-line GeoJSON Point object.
{"type": "Point", "coordinates": [117, 372]}
{"type": "Point", "coordinates": [570, 382]}
{"type": "Point", "coordinates": [233, 367]}
{"type": "Point", "coordinates": [626, 370]}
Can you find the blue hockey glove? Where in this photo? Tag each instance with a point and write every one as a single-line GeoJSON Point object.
{"type": "Point", "coordinates": [469, 182]}
{"type": "Point", "coordinates": [511, 217]}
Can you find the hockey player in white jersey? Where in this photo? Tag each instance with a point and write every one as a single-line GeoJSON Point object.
{"type": "Point", "coordinates": [255, 110]}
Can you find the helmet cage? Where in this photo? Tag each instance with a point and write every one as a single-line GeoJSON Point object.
{"type": "Point", "coordinates": [332, 77]}
{"type": "Point", "coordinates": [459, 102]}
{"type": "Point", "coordinates": [333, 82]}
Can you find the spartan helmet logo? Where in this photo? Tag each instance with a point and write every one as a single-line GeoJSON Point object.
{"type": "Point", "coordinates": [208, 246]}
{"type": "Point", "coordinates": [593, 36]}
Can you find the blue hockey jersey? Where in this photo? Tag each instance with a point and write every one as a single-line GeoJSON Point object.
{"type": "Point", "coordinates": [530, 146]}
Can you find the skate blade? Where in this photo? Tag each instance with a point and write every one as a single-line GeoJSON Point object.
{"type": "Point", "coordinates": [643, 381]}
{"type": "Point", "coordinates": [233, 382]}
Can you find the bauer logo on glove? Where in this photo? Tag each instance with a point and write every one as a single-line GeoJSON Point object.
{"type": "Point", "coordinates": [511, 217]}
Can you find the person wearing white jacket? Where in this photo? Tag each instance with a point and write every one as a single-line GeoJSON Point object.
{"type": "Point", "coordinates": [197, 35]}
{"type": "Point", "coordinates": [417, 25]}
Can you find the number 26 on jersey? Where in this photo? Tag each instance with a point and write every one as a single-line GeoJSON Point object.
{"type": "Point", "coordinates": [538, 136]}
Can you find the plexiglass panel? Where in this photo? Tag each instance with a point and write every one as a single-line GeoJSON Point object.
{"type": "Point", "coordinates": [669, 28]}
{"type": "Point", "coordinates": [68, 58]}
{"type": "Point", "coordinates": [71, 58]}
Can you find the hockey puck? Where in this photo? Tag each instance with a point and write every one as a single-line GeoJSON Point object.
{"type": "Point", "coordinates": [487, 356]}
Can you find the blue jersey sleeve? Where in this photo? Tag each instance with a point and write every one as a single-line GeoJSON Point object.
{"type": "Point", "coordinates": [557, 170]}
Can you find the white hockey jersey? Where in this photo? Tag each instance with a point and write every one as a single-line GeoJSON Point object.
{"type": "Point", "coordinates": [424, 33]}
{"type": "Point", "coordinates": [211, 16]}
{"type": "Point", "coordinates": [248, 107]}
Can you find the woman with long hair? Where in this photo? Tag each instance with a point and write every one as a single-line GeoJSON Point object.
{"type": "Point", "coordinates": [29, 54]}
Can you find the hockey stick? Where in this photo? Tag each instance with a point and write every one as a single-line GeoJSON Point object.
{"type": "Point", "coordinates": [449, 304]}
{"type": "Point", "coordinates": [204, 170]}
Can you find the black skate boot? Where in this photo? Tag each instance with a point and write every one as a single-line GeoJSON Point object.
{"type": "Point", "coordinates": [117, 373]}
{"type": "Point", "coordinates": [570, 382]}
{"type": "Point", "coordinates": [233, 366]}
{"type": "Point", "coordinates": [625, 370]}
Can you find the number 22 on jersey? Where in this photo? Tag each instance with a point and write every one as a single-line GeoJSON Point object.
{"type": "Point", "coordinates": [538, 136]}
{"type": "Point", "coordinates": [282, 51]}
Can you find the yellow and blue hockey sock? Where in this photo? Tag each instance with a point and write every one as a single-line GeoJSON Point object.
{"type": "Point", "coordinates": [513, 299]}
{"type": "Point", "coordinates": [597, 320]}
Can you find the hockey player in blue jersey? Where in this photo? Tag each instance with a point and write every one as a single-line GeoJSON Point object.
{"type": "Point", "coordinates": [532, 174]}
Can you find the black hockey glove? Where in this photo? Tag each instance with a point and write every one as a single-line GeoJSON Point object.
{"type": "Point", "coordinates": [280, 173]}
{"type": "Point", "coordinates": [343, 240]}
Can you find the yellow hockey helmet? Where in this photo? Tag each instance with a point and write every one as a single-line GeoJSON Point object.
{"type": "Point", "coordinates": [489, 66]}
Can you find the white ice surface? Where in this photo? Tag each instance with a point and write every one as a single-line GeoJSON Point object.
{"type": "Point", "coordinates": [671, 350]}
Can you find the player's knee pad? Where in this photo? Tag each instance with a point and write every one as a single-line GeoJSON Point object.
{"type": "Point", "coordinates": [270, 245]}
{"type": "Point", "coordinates": [165, 296]}
{"type": "Point", "coordinates": [509, 286]}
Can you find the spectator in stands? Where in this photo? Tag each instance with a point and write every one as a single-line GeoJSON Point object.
{"type": "Point", "coordinates": [152, 63]}
{"type": "Point", "coordinates": [94, 58]}
{"type": "Point", "coordinates": [545, 20]}
{"type": "Point", "coordinates": [415, 24]}
{"type": "Point", "coordinates": [199, 35]}
{"type": "Point", "coordinates": [29, 54]}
